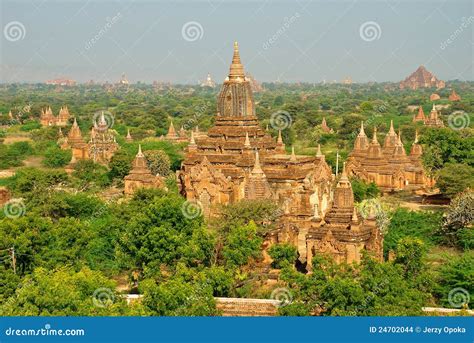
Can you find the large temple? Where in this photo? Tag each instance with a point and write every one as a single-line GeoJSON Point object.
{"type": "Point", "coordinates": [388, 166]}
{"type": "Point", "coordinates": [421, 78]}
{"type": "Point", "coordinates": [100, 148]}
{"type": "Point", "coordinates": [238, 160]}
{"type": "Point", "coordinates": [47, 117]}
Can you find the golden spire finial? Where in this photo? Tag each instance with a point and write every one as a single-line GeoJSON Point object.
{"type": "Point", "coordinates": [319, 153]}
{"type": "Point", "coordinates": [293, 155]}
{"type": "Point", "coordinates": [140, 154]}
{"type": "Point", "coordinates": [374, 138]}
{"type": "Point", "coordinates": [257, 169]}
{"type": "Point", "coordinates": [392, 130]}
{"type": "Point", "coordinates": [279, 139]}
{"type": "Point", "coordinates": [247, 140]}
{"type": "Point", "coordinates": [361, 132]}
{"type": "Point", "coordinates": [416, 137]}
{"type": "Point", "coordinates": [236, 68]}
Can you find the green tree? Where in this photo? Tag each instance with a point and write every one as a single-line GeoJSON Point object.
{"type": "Point", "coordinates": [176, 297]}
{"type": "Point", "coordinates": [64, 292]}
{"type": "Point", "coordinates": [55, 157]}
{"type": "Point", "coordinates": [160, 232]}
{"type": "Point", "coordinates": [242, 244]}
{"type": "Point", "coordinates": [120, 164]}
{"type": "Point", "coordinates": [457, 226]}
{"type": "Point", "coordinates": [283, 254]}
{"type": "Point", "coordinates": [416, 224]}
{"type": "Point", "coordinates": [89, 173]}
{"type": "Point", "coordinates": [456, 281]}
{"type": "Point", "coordinates": [158, 162]}
{"type": "Point", "coordinates": [410, 253]}
{"type": "Point", "coordinates": [455, 178]}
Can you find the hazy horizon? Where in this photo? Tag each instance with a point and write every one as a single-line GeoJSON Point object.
{"type": "Point", "coordinates": [180, 42]}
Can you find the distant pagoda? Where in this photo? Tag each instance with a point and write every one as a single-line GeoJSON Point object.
{"type": "Point", "coordinates": [209, 82]}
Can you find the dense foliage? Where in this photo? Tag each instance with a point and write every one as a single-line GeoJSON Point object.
{"type": "Point", "coordinates": [77, 245]}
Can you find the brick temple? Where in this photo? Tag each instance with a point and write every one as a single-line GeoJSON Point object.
{"type": "Point", "coordinates": [388, 166]}
{"type": "Point", "coordinates": [238, 160]}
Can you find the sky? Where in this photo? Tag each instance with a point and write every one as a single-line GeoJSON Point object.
{"type": "Point", "coordinates": [285, 41]}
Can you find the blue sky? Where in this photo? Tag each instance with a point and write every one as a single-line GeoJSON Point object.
{"type": "Point", "coordinates": [290, 41]}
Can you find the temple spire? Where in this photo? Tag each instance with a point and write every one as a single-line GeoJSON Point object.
{"type": "Point", "coordinates": [293, 155]}
{"type": "Point", "coordinates": [391, 131]}
{"type": "Point", "coordinates": [416, 137]}
{"type": "Point", "coordinates": [140, 154]}
{"type": "Point", "coordinates": [128, 138]}
{"type": "Point", "coordinates": [257, 169]}
{"type": "Point", "coordinates": [318, 153]}
{"type": "Point", "coordinates": [279, 140]}
{"type": "Point", "coordinates": [192, 141]}
{"type": "Point", "coordinates": [374, 138]}
{"type": "Point", "coordinates": [247, 140]}
{"type": "Point", "coordinates": [344, 173]}
{"type": "Point", "coordinates": [354, 218]}
{"type": "Point", "coordinates": [361, 132]}
{"type": "Point", "coordinates": [236, 68]}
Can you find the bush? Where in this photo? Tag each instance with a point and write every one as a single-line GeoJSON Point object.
{"type": "Point", "coordinates": [120, 164]}
{"type": "Point", "coordinates": [364, 190]}
{"type": "Point", "coordinates": [457, 276]}
{"type": "Point", "coordinates": [158, 162]}
{"type": "Point", "coordinates": [283, 254]}
{"type": "Point", "coordinates": [405, 223]}
{"type": "Point", "coordinates": [55, 157]}
{"type": "Point", "coordinates": [455, 178]}
{"type": "Point", "coordinates": [457, 227]}
{"type": "Point", "coordinates": [242, 244]}
{"type": "Point", "coordinates": [31, 125]}
{"type": "Point", "coordinates": [12, 155]}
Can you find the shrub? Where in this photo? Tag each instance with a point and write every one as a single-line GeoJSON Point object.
{"type": "Point", "coordinates": [282, 254]}
{"type": "Point", "coordinates": [55, 157]}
